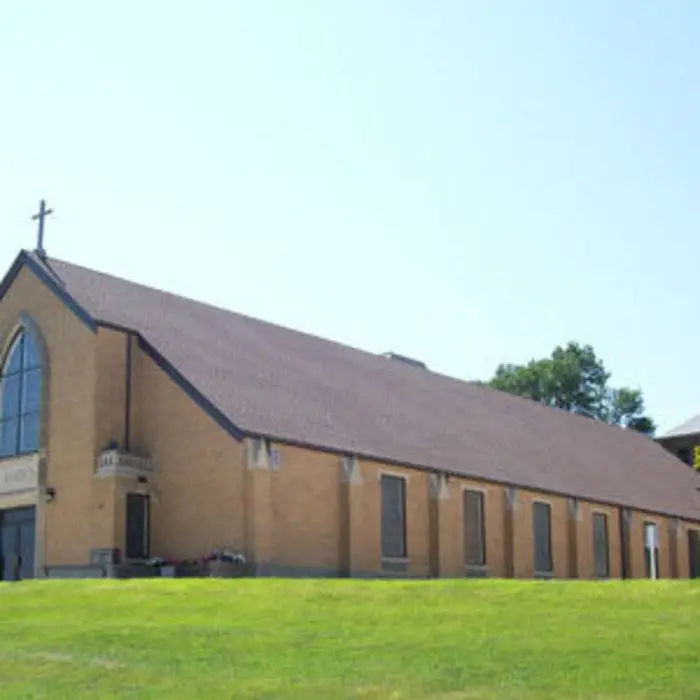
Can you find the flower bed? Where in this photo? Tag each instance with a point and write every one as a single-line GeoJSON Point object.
{"type": "Point", "coordinates": [220, 563]}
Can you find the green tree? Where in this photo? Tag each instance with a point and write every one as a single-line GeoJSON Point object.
{"type": "Point", "coordinates": [574, 379]}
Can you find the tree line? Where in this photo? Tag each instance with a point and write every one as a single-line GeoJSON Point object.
{"type": "Point", "coordinates": [573, 378]}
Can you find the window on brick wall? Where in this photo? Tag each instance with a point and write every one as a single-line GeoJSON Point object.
{"type": "Point", "coordinates": [542, 535]}
{"type": "Point", "coordinates": [694, 553]}
{"type": "Point", "coordinates": [20, 397]}
{"type": "Point", "coordinates": [601, 550]}
{"type": "Point", "coordinates": [474, 535]}
{"type": "Point", "coordinates": [393, 490]}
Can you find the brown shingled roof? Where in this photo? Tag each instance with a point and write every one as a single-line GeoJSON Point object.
{"type": "Point", "coordinates": [280, 383]}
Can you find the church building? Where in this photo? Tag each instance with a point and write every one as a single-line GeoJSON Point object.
{"type": "Point", "coordinates": [135, 424]}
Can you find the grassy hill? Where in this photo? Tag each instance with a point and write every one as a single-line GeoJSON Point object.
{"type": "Point", "coordinates": [344, 639]}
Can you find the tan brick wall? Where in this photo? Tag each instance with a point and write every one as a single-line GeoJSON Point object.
{"type": "Point", "coordinates": [662, 525]}
{"type": "Point", "coordinates": [197, 498]}
{"type": "Point", "coordinates": [637, 544]}
{"type": "Point", "coordinates": [110, 424]}
{"type": "Point", "coordinates": [453, 527]}
{"type": "Point", "coordinates": [365, 517]}
{"type": "Point", "coordinates": [636, 552]}
{"type": "Point", "coordinates": [683, 548]}
{"type": "Point", "coordinates": [258, 516]}
{"type": "Point", "coordinates": [450, 536]}
{"type": "Point", "coordinates": [69, 425]}
{"type": "Point", "coordinates": [417, 531]}
{"type": "Point", "coordinates": [682, 563]}
{"type": "Point", "coordinates": [524, 535]}
{"type": "Point", "coordinates": [110, 390]}
{"type": "Point", "coordinates": [586, 559]}
{"type": "Point", "coordinates": [306, 509]}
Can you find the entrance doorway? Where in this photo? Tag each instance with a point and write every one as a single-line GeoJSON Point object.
{"type": "Point", "coordinates": [138, 507]}
{"type": "Point", "coordinates": [17, 533]}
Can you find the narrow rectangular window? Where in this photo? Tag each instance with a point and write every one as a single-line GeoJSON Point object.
{"type": "Point", "coordinates": [601, 550]}
{"type": "Point", "coordinates": [694, 553]}
{"type": "Point", "coordinates": [542, 527]}
{"type": "Point", "coordinates": [137, 526]}
{"type": "Point", "coordinates": [625, 516]}
{"type": "Point", "coordinates": [651, 551]}
{"type": "Point", "coordinates": [474, 539]}
{"type": "Point", "coordinates": [393, 517]}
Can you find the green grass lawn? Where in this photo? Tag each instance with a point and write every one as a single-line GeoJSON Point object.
{"type": "Point", "coordinates": [257, 638]}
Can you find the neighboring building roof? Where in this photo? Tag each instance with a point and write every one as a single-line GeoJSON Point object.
{"type": "Point", "coordinates": [272, 381]}
{"type": "Point", "coordinates": [690, 427]}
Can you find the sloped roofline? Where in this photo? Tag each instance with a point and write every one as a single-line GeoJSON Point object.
{"type": "Point", "coordinates": [52, 282]}
{"type": "Point", "coordinates": [686, 429]}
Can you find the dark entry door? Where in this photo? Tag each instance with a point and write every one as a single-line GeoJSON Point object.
{"type": "Point", "coordinates": [694, 553]}
{"type": "Point", "coordinates": [17, 533]}
{"type": "Point", "coordinates": [137, 526]}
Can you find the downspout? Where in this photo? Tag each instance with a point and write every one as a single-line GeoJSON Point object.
{"type": "Point", "coordinates": [127, 394]}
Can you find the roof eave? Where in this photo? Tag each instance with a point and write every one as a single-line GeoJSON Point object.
{"type": "Point", "coordinates": [431, 469]}
{"type": "Point", "coordinates": [197, 396]}
{"type": "Point", "coordinates": [24, 258]}
{"type": "Point", "coordinates": [676, 436]}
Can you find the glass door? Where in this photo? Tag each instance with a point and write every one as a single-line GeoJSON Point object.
{"type": "Point", "coordinates": [17, 533]}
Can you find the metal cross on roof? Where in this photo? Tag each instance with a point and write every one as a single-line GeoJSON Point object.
{"type": "Point", "coordinates": [43, 213]}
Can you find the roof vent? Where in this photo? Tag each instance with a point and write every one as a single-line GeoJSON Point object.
{"type": "Point", "coordinates": [406, 360]}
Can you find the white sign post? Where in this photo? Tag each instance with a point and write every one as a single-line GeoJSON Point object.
{"type": "Point", "coordinates": [650, 536]}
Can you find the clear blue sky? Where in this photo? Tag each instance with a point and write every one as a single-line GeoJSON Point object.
{"type": "Point", "coordinates": [463, 182]}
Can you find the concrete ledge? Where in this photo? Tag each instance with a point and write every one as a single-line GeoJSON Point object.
{"type": "Point", "coordinates": [278, 571]}
{"type": "Point", "coordinates": [388, 576]}
{"type": "Point", "coordinates": [274, 570]}
{"type": "Point", "coordinates": [98, 571]}
{"type": "Point", "coordinates": [75, 572]}
{"type": "Point", "coordinates": [134, 571]}
{"type": "Point", "coordinates": [126, 571]}
{"type": "Point", "coordinates": [545, 576]}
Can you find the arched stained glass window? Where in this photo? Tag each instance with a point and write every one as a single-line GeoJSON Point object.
{"type": "Point", "coordinates": [20, 397]}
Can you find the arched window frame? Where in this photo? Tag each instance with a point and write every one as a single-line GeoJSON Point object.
{"type": "Point", "coordinates": [22, 383]}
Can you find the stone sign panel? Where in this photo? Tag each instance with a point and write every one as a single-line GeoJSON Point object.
{"type": "Point", "coordinates": [17, 475]}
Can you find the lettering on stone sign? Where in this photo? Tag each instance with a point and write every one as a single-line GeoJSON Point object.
{"type": "Point", "coordinates": [17, 478]}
